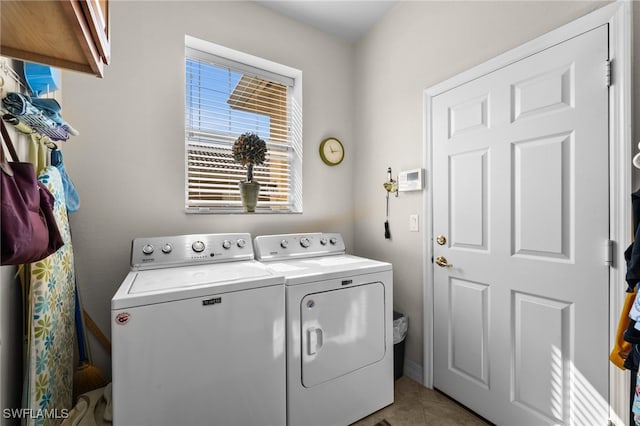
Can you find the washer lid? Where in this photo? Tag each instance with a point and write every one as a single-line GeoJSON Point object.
{"type": "Point", "coordinates": [301, 271]}
{"type": "Point", "coordinates": [164, 285]}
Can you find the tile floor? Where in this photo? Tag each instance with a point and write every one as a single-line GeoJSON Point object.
{"type": "Point", "coordinates": [416, 405]}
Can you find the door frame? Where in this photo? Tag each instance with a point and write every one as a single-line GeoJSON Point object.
{"type": "Point", "coordinates": [618, 16]}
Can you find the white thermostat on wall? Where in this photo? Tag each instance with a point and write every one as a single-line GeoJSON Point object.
{"type": "Point", "coordinates": [411, 180]}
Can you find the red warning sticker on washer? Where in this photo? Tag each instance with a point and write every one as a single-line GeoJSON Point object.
{"type": "Point", "coordinates": [122, 318]}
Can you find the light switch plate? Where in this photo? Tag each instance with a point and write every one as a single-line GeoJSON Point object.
{"type": "Point", "coordinates": [413, 223]}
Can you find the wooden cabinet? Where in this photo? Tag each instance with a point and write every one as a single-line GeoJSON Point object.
{"type": "Point", "coordinates": [69, 34]}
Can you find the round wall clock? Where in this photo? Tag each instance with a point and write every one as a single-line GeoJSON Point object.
{"type": "Point", "coordinates": [331, 151]}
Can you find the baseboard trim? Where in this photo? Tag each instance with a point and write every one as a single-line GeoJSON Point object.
{"type": "Point", "coordinates": [413, 370]}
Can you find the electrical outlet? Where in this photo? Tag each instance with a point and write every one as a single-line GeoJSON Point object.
{"type": "Point", "coordinates": [413, 222]}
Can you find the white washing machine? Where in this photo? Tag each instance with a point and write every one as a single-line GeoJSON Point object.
{"type": "Point", "coordinates": [339, 328]}
{"type": "Point", "coordinates": [198, 333]}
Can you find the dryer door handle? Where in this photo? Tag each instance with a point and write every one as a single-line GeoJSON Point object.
{"type": "Point", "coordinates": [314, 340]}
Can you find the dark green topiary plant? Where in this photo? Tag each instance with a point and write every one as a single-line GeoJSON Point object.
{"type": "Point", "coordinates": [249, 150]}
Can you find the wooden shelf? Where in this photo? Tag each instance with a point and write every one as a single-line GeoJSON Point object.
{"type": "Point", "coordinates": [69, 34]}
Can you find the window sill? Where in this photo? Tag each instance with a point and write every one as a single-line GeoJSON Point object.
{"type": "Point", "coordinates": [236, 210]}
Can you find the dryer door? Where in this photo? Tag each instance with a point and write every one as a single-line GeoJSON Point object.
{"type": "Point", "coordinates": [342, 331]}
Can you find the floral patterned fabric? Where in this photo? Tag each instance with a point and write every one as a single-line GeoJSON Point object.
{"type": "Point", "coordinates": [50, 329]}
{"type": "Point", "coordinates": [635, 404]}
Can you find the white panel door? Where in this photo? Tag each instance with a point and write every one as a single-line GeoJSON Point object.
{"type": "Point", "coordinates": [520, 187]}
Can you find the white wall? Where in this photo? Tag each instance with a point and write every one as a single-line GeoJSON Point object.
{"type": "Point", "coordinates": [417, 45]}
{"type": "Point", "coordinates": [128, 162]}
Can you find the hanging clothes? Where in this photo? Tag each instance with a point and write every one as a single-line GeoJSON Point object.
{"type": "Point", "coordinates": [50, 311]}
{"type": "Point", "coordinates": [632, 332]}
{"type": "Point", "coordinates": [632, 253]}
{"type": "Point", "coordinates": [632, 257]}
{"type": "Point", "coordinates": [45, 122]}
{"type": "Point", "coordinates": [70, 193]}
{"type": "Point", "coordinates": [635, 405]}
{"type": "Point", "coordinates": [37, 153]}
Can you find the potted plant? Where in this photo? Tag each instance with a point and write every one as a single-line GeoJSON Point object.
{"type": "Point", "coordinates": [249, 150]}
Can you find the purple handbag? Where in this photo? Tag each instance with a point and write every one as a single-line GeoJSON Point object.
{"type": "Point", "coordinates": [27, 224]}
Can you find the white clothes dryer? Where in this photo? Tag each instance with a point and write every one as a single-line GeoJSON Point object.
{"type": "Point", "coordinates": [198, 335]}
{"type": "Point", "coordinates": [339, 328]}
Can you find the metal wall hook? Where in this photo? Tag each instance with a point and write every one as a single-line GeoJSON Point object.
{"type": "Point", "coordinates": [391, 185]}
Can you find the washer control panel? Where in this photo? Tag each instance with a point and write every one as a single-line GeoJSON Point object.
{"type": "Point", "coordinates": [288, 246]}
{"type": "Point", "coordinates": [164, 252]}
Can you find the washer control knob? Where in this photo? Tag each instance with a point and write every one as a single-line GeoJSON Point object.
{"type": "Point", "coordinates": [198, 246]}
{"type": "Point", "coordinates": [166, 249]}
{"type": "Point", "coordinates": [226, 244]}
{"type": "Point", "coordinates": [147, 249]}
{"type": "Point", "coordinates": [284, 243]}
{"type": "Point", "coordinates": [305, 242]}
{"type": "Point", "coordinates": [324, 241]}
{"type": "Point", "coordinates": [333, 241]}
{"type": "Point", "coordinates": [241, 243]}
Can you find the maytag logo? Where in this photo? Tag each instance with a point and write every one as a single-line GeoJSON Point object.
{"type": "Point", "coordinates": [213, 301]}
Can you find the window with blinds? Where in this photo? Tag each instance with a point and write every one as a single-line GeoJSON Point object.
{"type": "Point", "coordinates": [224, 99]}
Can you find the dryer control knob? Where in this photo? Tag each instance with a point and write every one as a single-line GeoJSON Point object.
{"type": "Point", "coordinates": [198, 246]}
{"type": "Point", "coordinates": [226, 244]}
{"type": "Point", "coordinates": [241, 243]}
{"type": "Point", "coordinates": [305, 242]}
{"type": "Point", "coordinates": [323, 241]}
{"type": "Point", "coordinates": [333, 241]}
{"type": "Point", "coordinates": [147, 249]}
{"type": "Point", "coordinates": [284, 243]}
{"type": "Point", "coordinates": [166, 249]}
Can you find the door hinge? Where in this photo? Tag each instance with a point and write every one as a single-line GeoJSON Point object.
{"type": "Point", "coordinates": [608, 72]}
{"type": "Point", "coordinates": [608, 253]}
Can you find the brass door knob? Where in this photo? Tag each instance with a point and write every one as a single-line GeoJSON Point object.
{"type": "Point", "coordinates": [441, 240]}
{"type": "Point", "coordinates": [442, 262]}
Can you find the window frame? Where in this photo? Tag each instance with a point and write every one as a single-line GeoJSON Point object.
{"type": "Point", "coordinates": [225, 57]}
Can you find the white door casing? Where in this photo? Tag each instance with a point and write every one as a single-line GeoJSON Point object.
{"type": "Point", "coordinates": [521, 181]}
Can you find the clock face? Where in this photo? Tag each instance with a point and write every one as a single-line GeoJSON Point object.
{"type": "Point", "coordinates": [331, 151]}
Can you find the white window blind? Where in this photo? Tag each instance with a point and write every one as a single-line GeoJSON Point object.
{"type": "Point", "coordinates": [225, 98]}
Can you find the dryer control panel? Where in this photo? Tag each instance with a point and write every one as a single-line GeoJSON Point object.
{"type": "Point", "coordinates": [178, 250]}
{"type": "Point", "coordinates": [290, 246]}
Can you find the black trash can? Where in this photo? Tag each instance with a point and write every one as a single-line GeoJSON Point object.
{"type": "Point", "coordinates": [400, 327]}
